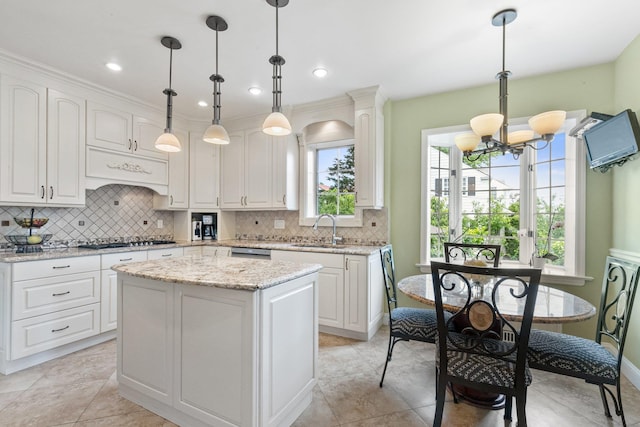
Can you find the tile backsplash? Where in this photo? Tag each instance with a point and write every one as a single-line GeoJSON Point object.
{"type": "Point", "coordinates": [111, 211]}
{"type": "Point", "coordinates": [260, 226]}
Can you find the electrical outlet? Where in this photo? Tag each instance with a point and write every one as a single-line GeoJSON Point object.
{"type": "Point", "coordinates": [160, 224]}
{"type": "Point", "coordinates": [5, 223]}
{"type": "Point", "coordinates": [278, 224]}
{"type": "Point", "coordinates": [145, 222]}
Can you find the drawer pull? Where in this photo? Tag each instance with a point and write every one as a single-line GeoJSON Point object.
{"type": "Point", "coordinates": [165, 255]}
{"type": "Point", "coordinates": [61, 329]}
{"type": "Point", "coordinates": [60, 294]}
{"type": "Point", "coordinates": [125, 259]}
{"type": "Point", "coordinates": [61, 266]}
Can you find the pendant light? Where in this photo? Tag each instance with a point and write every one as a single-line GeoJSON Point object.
{"type": "Point", "coordinates": [276, 123]}
{"type": "Point", "coordinates": [216, 134]}
{"type": "Point", "coordinates": [486, 125]}
{"type": "Point", "coordinates": [168, 141]}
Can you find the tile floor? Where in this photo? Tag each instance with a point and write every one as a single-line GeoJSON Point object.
{"type": "Point", "coordinates": [81, 390]}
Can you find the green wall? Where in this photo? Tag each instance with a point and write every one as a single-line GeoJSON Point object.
{"type": "Point", "coordinates": [626, 182]}
{"type": "Point", "coordinates": [590, 88]}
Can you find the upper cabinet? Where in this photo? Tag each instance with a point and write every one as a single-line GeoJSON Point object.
{"type": "Point", "coordinates": [116, 129]}
{"type": "Point", "coordinates": [178, 193]}
{"type": "Point", "coordinates": [42, 145]}
{"type": "Point", "coordinates": [204, 173]}
{"type": "Point", "coordinates": [369, 147]}
{"type": "Point", "coordinates": [258, 171]}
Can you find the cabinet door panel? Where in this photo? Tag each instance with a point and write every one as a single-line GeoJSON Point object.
{"type": "Point", "coordinates": [65, 149]}
{"type": "Point", "coordinates": [355, 293]}
{"type": "Point", "coordinates": [108, 127]}
{"type": "Point", "coordinates": [232, 173]}
{"type": "Point", "coordinates": [259, 164]}
{"type": "Point", "coordinates": [145, 133]}
{"type": "Point", "coordinates": [330, 297]}
{"type": "Point", "coordinates": [204, 165]}
{"type": "Point", "coordinates": [23, 141]}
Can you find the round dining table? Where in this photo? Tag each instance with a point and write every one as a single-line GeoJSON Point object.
{"type": "Point", "coordinates": [553, 306]}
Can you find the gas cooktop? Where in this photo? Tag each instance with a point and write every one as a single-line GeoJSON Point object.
{"type": "Point", "coordinates": [125, 245]}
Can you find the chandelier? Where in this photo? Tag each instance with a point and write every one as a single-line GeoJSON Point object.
{"type": "Point", "coordinates": [484, 126]}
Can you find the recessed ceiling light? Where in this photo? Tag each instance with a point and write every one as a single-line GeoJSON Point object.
{"type": "Point", "coordinates": [320, 73]}
{"type": "Point", "coordinates": [113, 66]}
{"type": "Point", "coordinates": [254, 90]}
{"type": "Point", "coordinates": [202, 103]}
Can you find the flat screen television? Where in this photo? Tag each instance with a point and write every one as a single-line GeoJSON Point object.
{"type": "Point", "coordinates": [613, 140]}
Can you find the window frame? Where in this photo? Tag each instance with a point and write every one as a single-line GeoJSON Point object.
{"type": "Point", "coordinates": [308, 184]}
{"type": "Point", "coordinates": [572, 273]}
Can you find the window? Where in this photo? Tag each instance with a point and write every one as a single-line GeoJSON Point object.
{"type": "Point", "coordinates": [329, 182]}
{"type": "Point", "coordinates": [335, 190]}
{"type": "Point", "coordinates": [533, 204]}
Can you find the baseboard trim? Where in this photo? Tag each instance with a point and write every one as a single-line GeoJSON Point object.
{"type": "Point", "coordinates": [631, 371]}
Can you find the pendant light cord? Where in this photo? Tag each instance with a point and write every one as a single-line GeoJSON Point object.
{"type": "Point", "coordinates": [277, 27]}
{"type": "Point", "coordinates": [170, 63]}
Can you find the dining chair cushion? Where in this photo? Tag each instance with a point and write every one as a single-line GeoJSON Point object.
{"type": "Point", "coordinates": [568, 353]}
{"type": "Point", "coordinates": [415, 323]}
{"type": "Point", "coordinates": [482, 368]}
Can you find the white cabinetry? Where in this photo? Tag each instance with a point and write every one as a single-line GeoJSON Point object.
{"type": "Point", "coordinates": [178, 194]}
{"type": "Point", "coordinates": [216, 251]}
{"type": "Point", "coordinates": [42, 142]}
{"type": "Point", "coordinates": [258, 171]}
{"type": "Point", "coordinates": [204, 173]}
{"type": "Point", "coordinates": [369, 147]}
{"type": "Point", "coordinates": [246, 167]}
{"type": "Point", "coordinates": [164, 253]}
{"type": "Point", "coordinates": [54, 302]}
{"type": "Point", "coordinates": [350, 291]}
{"type": "Point", "coordinates": [115, 128]}
{"type": "Point", "coordinates": [109, 286]}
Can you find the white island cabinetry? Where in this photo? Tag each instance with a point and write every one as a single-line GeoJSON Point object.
{"type": "Point", "coordinates": [218, 341]}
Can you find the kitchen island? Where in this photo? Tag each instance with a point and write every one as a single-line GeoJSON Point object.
{"type": "Point", "coordinates": [218, 341]}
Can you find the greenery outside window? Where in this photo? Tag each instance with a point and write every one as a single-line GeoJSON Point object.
{"type": "Point", "coordinates": [530, 205]}
{"type": "Point", "coordinates": [328, 174]}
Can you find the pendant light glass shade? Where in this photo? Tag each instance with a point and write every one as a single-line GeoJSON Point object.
{"type": "Point", "coordinates": [548, 122]}
{"type": "Point", "coordinates": [276, 124]}
{"type": "Point", "coordinates": [467, 141]}
{"type": "Point", "coordinates": [216, 134]}
{"type": "Point", "coordinates": [168, 142]}
{"type": "Point", "coordinates": [518, 136]}
{"type": "Point", "coordinates": [486, 124]}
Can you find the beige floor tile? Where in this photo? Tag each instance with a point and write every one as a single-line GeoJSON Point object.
{"type": "Point", "coordinates": [7, 398]}
{"type": "Point", "coordinates": [318, 413]}
{"type": "Point", "coordinates": [397, 419]}
{"type": "Point", "coordinates": [50, 406]}
{"type": "Point", "coordinates": [359, 396]}
{"type": "Point", "coordinates": [142, 418]}
{"type": "Point", "coordinates": [79, 368]}
{"type": "Point", "coordinates": [21, 380]}
{"type": "Point", "coordinates": [108, 403]}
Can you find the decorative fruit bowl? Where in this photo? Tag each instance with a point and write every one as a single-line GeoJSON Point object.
{"type": "Point", "coordinates": [26, 222]}
{"type": "Point", "coordinates": [34, 239]}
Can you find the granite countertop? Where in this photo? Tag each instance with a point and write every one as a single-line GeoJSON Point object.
{"type": "Point", "coordinates": [221, 272]}
{"type": "Point", "coordinates": [263, 244]}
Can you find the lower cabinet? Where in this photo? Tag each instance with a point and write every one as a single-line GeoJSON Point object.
{"type": "Point", "coordinates": [350, 291]}
{"type": "Point", "coordinates": [216, 251]}
{"type": "Point", "coordinates": [164, 253]}
{"type": "Point", "coordinates": [109, 286]}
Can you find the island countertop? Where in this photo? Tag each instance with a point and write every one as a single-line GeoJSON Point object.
{"type": "Point", "coordinates": [221, 272]}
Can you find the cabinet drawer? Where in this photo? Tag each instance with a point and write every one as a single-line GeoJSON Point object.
{"type": "Point", "coordinates": [54, 267]}
{"type": "Point", "coordinates": [165, 253]}
{"type": "Point", "coordinates": [109, 260]}
{"type": "Point", "coordinates": [40, 333]}
{"type": "Point", "coordinates": [42, 296]}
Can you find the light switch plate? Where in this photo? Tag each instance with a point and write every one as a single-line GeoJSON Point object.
{"type": "Point", "coordinates": [278, 224]}
{"type": "Point", "coordinates": [160, 224]}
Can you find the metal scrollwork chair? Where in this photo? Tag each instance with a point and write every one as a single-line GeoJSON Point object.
{"type": "Point", "coordinates": [464, 252]}
{"type": "Point", "coordinates": [485, 350]}
{"type": "Point", "coordinates": [405, 323]}
{"type": "Point", "coordinates": [589, 359]}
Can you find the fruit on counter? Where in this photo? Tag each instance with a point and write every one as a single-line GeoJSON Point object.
{"type": "Point", "coordinates": [34, 239]}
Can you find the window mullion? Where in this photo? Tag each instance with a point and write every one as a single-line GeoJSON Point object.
{"type": "Point", "coordinates": [455, 194]}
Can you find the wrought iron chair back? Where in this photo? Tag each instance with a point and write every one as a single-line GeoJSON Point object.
{"type": "Point", "coordinates": [463, 252]}
{"type": "Point", "coordinates": [389, 275]}
{"type": "Point", "coordinates": [471, 347]}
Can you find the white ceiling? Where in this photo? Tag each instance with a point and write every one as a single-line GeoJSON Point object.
{"type": "Point", "coordinates": [408, 47]}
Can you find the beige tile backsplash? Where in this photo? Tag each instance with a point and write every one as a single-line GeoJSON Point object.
{"type": "Point", "coordinates": [111, 211]}
{"type": "Point", "coordinates": [121, 211]}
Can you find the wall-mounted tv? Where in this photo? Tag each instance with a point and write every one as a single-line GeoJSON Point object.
{"type": "Point", "coordinates": [612, 141]}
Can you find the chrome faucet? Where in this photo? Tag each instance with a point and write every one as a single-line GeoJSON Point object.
{"type": "Point", "coordinates": [334, 238]}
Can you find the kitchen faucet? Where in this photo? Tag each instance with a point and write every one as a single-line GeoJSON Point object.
{"type": "Point", "coordinates": [334, 238]}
